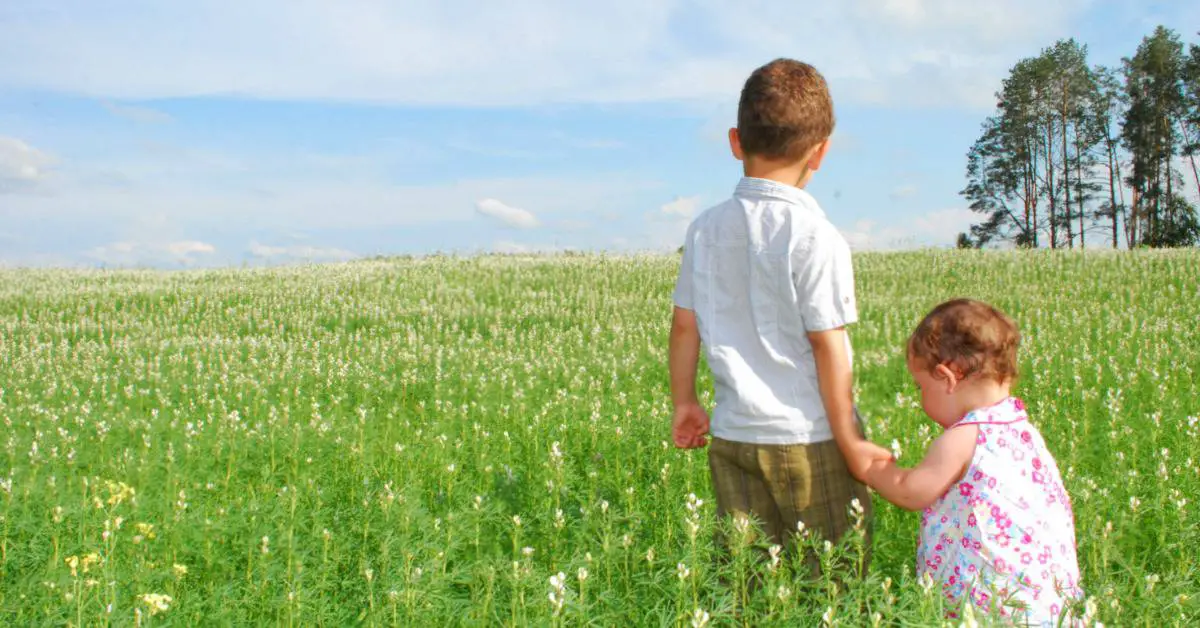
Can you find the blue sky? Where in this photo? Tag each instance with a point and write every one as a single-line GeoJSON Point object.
{"type": "Point", "coordinates": [214, 132]}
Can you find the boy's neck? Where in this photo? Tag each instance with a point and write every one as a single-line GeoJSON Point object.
{"type": "Point", "coordinates": [787, 172]}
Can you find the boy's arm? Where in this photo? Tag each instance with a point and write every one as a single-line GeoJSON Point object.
{"type": "Point", "coordinates": [944, 464]}
{"type": "Point", "coordinates": [837, 395]}
{"type": "Point", "coordinates": [690, 422]}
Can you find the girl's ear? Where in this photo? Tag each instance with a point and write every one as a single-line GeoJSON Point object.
{"type": "Point", "coordinates": [949, 378]}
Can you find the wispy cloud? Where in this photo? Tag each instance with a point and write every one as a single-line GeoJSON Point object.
{"type": "Point", "coordinates": [682, 207]}
{"type": "Point", "coordinates": [137, 113]}
{"type": "Point", "coordinates": [131, 253]}
{"type": "Point", "coordinates": [189, 247]}
{"type": "Point", "coordinates": [508, 247]}
{"type": "Point", "coordinates": [458, 52]}
{"type": "Point", "coordinates": [934, 228]}
{"type": "Point", "coordinates": [304, 253]}
{"type": "Point", "coordinates": [511, 216]}
{"type": "Point", "coordinates": [22, 167]}
{"type": "Point", "coordinates": [907, 190]}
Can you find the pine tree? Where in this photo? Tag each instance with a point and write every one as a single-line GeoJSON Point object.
{"type": "Point", "coordinates": [1107, 106]}
{"type": "Point", "coordinates": [1154, 86]}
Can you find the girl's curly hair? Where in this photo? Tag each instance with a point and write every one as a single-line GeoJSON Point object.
{"type": "Point", "coordinates": [969, 336]}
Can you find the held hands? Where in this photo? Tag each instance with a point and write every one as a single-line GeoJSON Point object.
{"type": "Point", "coordinates": [863, 456]}
{"type": "Point", "coordinates": [689, 426]}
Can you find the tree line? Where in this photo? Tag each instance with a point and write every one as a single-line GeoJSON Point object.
{"type": "Point", "coordinates": [1081, 155]}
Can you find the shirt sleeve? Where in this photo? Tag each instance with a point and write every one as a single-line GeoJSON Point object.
{"type": "Point", "coordinates": [683, 284]}
{"type": "Point", "coordinates": [824, 279]}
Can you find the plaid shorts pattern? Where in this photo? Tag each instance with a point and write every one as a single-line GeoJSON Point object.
{"type": "Point", "coordinates": [780, 485]}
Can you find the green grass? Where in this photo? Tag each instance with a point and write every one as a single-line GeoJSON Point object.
{"type": "Point", "coordinates": [351, 444]}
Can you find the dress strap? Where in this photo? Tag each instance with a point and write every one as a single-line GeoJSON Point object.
{"type": "Point", "coordinates": [1004, 412]}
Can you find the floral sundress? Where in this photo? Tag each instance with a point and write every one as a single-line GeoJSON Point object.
{"type": "Point", "coordinates": [1004, 534]}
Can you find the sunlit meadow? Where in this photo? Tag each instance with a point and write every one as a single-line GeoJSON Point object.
{"type": "Point", "coordinates": [484, 441]}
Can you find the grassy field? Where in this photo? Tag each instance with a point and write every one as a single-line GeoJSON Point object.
{"type": "Point", "coordinates": [484, 441]}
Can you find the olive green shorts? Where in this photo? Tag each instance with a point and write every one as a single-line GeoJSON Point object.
{"type": "Point", "coordinates": [780, 485]}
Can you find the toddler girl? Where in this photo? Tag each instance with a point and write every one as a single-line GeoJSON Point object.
{"type": "Point", "coordinates": [997, 527]}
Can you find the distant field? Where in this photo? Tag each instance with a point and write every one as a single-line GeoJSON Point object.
{"type": "Point", "coordinates": [430, 442]}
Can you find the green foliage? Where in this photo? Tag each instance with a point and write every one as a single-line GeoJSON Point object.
{"type": "Point", "coordinates": [380, 442]}
{"type": "Point", "coordinates": [1048, 164]}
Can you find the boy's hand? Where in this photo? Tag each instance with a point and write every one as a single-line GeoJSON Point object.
{"type": "Point", "coordinates": [862, 455]}
{"type": "Point", "coordinates": [878, 467]}
{"type": "Point", "coordinates": [689, 426]}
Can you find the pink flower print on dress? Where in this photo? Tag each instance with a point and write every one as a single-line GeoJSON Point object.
{"type": "Point", "coordinates": [994, 525]}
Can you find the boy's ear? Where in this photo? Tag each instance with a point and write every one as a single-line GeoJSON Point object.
{"type": "Point", "coordinates": [818, 155]}
{"type": "Point", "coordinates": [949, 378]}
{"type": "Point", "coordinates": [735, 145]}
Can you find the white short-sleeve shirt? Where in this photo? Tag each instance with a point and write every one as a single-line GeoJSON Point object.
{"type": "Point", "coordinates": [760, 271]}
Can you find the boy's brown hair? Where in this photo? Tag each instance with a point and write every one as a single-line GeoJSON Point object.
{"type": "Point", "coordinates": [970, 336]}
{"type": "Point", "coordinates": [785, 110]}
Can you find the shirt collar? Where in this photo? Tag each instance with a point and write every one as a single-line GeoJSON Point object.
{"type": "Point", "coordinates": [753, 188]}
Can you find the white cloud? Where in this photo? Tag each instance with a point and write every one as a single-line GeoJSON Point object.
{"type": "Point", "coordinates": [946, 224]}
{"type": "Point", "coordinates": [935, 228]}
{"type": "Point", "coordinates": [299, 253]}
{"type": "Point", "coordinates": [682, 206]}
{"type": "Point", "coordinates": [142, 253]}
{"type": "Point", "coordinates": [456, 52]}
{"type": "Point", "coordinates": [665, 229]}
{"type": "Point", "coordinates": [511, 216]}
{"type": "Point", "coordinates": [866, 235]}
{"type": "Point", "coordinates": [21, 166]}
{"type": "Point", "coordinates": [346, 196]}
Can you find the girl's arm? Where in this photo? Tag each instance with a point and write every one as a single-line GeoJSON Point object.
{"type": "Point", "coordinates": [944, 464]}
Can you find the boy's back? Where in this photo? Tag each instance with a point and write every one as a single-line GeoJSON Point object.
{"type": "Point", "coordinates": [760, 271]}
{"type": "Point", "coordinates": [766, 288]}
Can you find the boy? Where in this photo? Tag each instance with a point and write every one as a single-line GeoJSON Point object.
{"type": "Point", "coordinates": [766, 287]}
